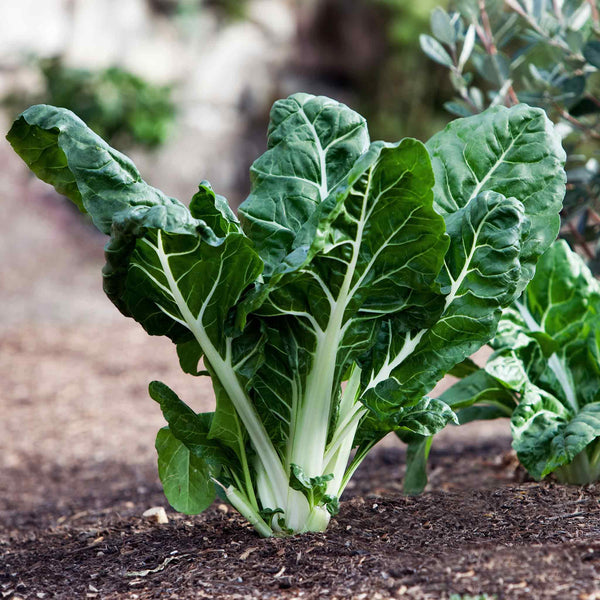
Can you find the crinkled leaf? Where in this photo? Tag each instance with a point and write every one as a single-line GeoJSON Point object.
{"type": "Point", "coordinates": [514, 152]}
{"type": "Point", "coordinates": [562, 295]}
{"type": "Point", "coordinates": [481, 273]}
{"type": "Point", "coordinates": [506, 368]}
{"type": "Point", "coordinates": [61, 150]}
{"type": "Point", "coordinates": [547, 436]}
{"type": "Point", "coordinates": [425, 418]}
{"type": "Point", "coordinates": [313, 144]}
{"type": "Point", "coordinates": [214, 210]}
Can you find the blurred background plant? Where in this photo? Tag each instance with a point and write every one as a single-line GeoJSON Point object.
{"type": "Point", "coordinates": [406, 104]}
{"type": "Point", "coordinates": [119, 106]}
{"type": "Point", "coordinates": [542, 52]}
{"type": "Point", "coordinates": [227, 9]}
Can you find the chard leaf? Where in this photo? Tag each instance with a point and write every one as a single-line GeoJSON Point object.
{"type": "Point", "coordinates": [62, 151]}
{"type": "Point", "coordinates": [561, 297]}
{"type": "Point", "coordinates": [417, 453]}
{"type": "Point", "coordinates": [189, 354]}
{"type": "Point", "coordinates": [480, 275]}
{"type": "Point", "coordinates": [191, 429]}
{"type": "Point", "coordinates": [214, 210]}
{"type": "Point", "coordinates": [547, 436]}
{"type": "Point", "coordinates": [180, 286]}
{"type": "Point", "coordinates": [464, 368]}
{"type": "Point", "coordinates": [583, 361]}
{"type": "Point", "coordinates": [506, 368]}
{"type": "Point", "coordinates": [425, 418]}
{"type": "Point", "coordinates": [583, 429]}
{"type": "Point", "coordinates": [551, 327]}
{"type": "Point", "coordinates": [374, 247]}
{"type": "Point", "coordinates": [313, 144]}
{"type": "Point", "coordinates": [480, 388]}
{"type": "Point", "coordinates": [162, 262]}
{"type": "Point", "coordinates": [514, 152]}
{"type": "Point", "coordinates": [185, 476]}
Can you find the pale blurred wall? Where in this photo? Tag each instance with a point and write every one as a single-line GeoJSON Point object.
{"type": "Point", "coordinates": [222, 71]}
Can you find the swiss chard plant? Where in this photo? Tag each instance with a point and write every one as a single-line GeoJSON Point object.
{"type": "Point", "coordinates": [545, 372]}
{"type": "Point", "coordinates": [358, 274]}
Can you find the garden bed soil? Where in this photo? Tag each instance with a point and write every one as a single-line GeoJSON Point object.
{"type": "Point", "coordinates": [480, 529]}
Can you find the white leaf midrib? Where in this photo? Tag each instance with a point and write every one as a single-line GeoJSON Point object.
{"type": "Point", "coordinates": [225, 372]}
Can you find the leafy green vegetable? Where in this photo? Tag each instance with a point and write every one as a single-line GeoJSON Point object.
{"type": "Point", "coordinates": [358, 275]}
{"type": "Point", "coordinates": [545, 372]}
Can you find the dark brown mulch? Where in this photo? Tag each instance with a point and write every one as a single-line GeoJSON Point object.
{"type": "Point", "coordinates": [505, 537]}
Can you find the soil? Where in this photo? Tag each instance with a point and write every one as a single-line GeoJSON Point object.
{"type": "Point", "coordinates": [77, 469]}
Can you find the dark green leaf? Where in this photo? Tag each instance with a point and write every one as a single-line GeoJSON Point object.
{"type": "Point", "coordinates": [59, 148]}
{"type": "Point", "coordinates": [313, 144]}
{"type": "Point", "coordinates": [514, 152]}
{"type": "Point", "coordinates": [480, 277]}
{"type": "Point", "coordinates": [188, 427]}
{"type": "Point", "coordinates": [415, 478]}
{"type": "Point", "coordinates": [480, 388]}
{"type": "Point", "coordinates": [185, 476]}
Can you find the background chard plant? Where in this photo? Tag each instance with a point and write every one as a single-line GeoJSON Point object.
{"type": "Point", "coordinates": [545, 372]}
{"type": "Point", "coordinates": [358, 275]}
